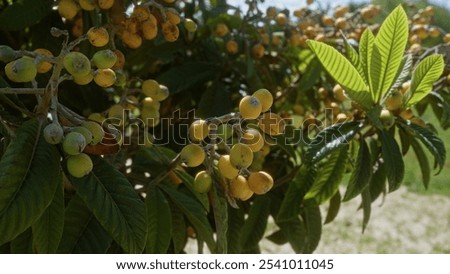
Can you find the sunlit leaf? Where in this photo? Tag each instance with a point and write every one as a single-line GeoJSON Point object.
{"type": "Point", "coordinates": [424, 76]}
{"type": "Point", "coordinates": [343, 72]}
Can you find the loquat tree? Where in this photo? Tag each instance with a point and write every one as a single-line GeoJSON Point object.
{"type": "Point", "coordinates": [132, 126]}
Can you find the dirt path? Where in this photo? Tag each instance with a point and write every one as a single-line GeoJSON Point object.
{"type": "Point", "coordinates": [405, 223]}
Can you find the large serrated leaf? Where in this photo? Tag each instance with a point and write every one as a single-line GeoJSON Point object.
{"type": "Point", "coordinates": [28, 179]}
{"type": "Point", "coordinates": [236, 219]}
{"type": "Point", "coordinates": [403, 72]}
{"type": "Point", "coordinates": [333, 208]}
{"type": "Point", "coordinates": [388, 51]}
{"type": "Point", "coordinates": [313, 220]}
{"type": "Point", "coordinates": [23, 243]}
{"type": "Point", "coordinates": [424, 76]}
{"type": "Point", "coordinates": [361, 174]}
{"type": "Point", "coordinates": [393, 160]}
{"type": "Point", "coordinates": [330, 176]}
{"type": "Point", "coordinates": [343, 72]}
{"type": "Point", "coordinates": [188, 75]}
{"type": "Point", "coordinates": [423, 162]}
{"type": "Point", "coordinates": [330, 139]}
{"type": "Point", "coordinates": [194, 212]}
{"type": "Point", "coordinates": [82, 233]}
{"type": "Point", "coordinates": [366, 204]}
{"type": "Point", "coordinates": [353, 57]}
{"type": "Point", "coordinates": [295, 232]}
{"type": "Point", "coordinates": [159, 220]}
{"type": "Point", "coordinates": [290, 207]}
{"type": "Point", "coordinates": [255, 224]}
{"type": "Point", "coordinates": [179, 236]}
{"type": "Point", "coordinates": [365, 54]}
{"type": "Point", "coordinates": [115, 204]}
{"type": "Point", "coordinates": [431, 142]}
{"type": "Point", "coordinates": [24, 13]}
{"type": "Point", "coordinates": [48, 229]}
{"type": "Point", "coordinates": [220, 211]}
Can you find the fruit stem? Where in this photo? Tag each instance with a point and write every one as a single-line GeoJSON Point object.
{"type": "Point", "coordinates": [9, 90]}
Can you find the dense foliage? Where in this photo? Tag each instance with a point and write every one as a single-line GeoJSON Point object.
{"type": "Point", "coordinates": [131, 126]}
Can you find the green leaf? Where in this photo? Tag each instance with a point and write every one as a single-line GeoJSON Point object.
{"type": "Point", "coordinates": [295, 232]}
{"type": "Point", "coordinates": [405, 140]}
{"type": "Point", "coordinates": [23, 244]}
{"type": "Point", "coordinates": [393, 160]}
{"type": "Point", "coordinates": [24, 13]}
{"type": "Point", "coordinates": [366, 204]}
{"type": "Point", "coordinates": [215, 101]}
{"type": "Point", "coordinates": [188, 182]}
{"type": "Point", "coordinates": [330, 176]}
{"type": "Point", "coordinates": [423, 162]}
{"type": "Point", "coordinates": [333, 208]}
{"type": "Point", "coordinates": [353, 56]}
{"type": "Point", "coordinates": [330, 139]}
{"type": "Point", "coordinates": [424, 76]}
{"type": "Point", "coordinates": [403, 72]}
{"type": "Point", "coordinates": [431, 142]}
{"type": "Point", "coordinates": [255, 224]}
{"type": "Point", "coordinates": [194, 212]}
{"type": "Point", "coordinates": [377, 183]}
{"type": "Point", "coordinates": [236, 219]}
{"type": "Point", "coordinates": [313, 220]}
{"type": "Point", "coordinates": [278, 237]}
{"type": "Point", "coordinates": [220, 210]}
{"type": "Point", "coordinates": [290, 207]}
{"type": "Point", "coordinates": [48, 229]}
{"type": "Point", "coordinates": [29, 172]}
{"type": "Point", "coordinates": [82, 233]}
{"type": "Point", "coordinates": [115, 204]}
{"type": "Point", "coordinates": [179, 236]}
{"type": "Point", "coordinates": [343, 72]}
{"type": "Point", "coordinates": [361, 174]}
{"type": "Point", "coordinates": [159, 220]}
{"type": "Point", "coordinates": [388, 50]}
{"type": "Point", "coordinates": [187, 76]}
{"type": "Point", "coordinates": [310, 76]}
{"type": "Point", "coordinates": [365, 54]}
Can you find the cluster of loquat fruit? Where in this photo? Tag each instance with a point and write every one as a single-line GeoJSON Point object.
{"type": "Point", "coordinates": [237, 165]}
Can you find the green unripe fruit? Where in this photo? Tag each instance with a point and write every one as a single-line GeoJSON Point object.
{"type": "Point", "coordinates": [79, 165]}
{"type": "Point", "coordinates": [224, 132]}
{"type": "Point", "coordinates": [83, 80]}
{"type": "Point", "coordinates": [74, 143]}
{"type": "Point", "coordinates": [202, 182]}
{"type": "Point", "coordinates": [225, 167]}
{"type": "Point", "coordinates": [265, 98]}
{"type": "Point", "coordinates": [190, 25]}
{"type": "Point", "coordinates": [250, 107]}
{"type": "Point", "coordinates": [85, 132]}
{"type": "Point", "coordinates": [77, 64]}
{"type": "Point", "coordinates": [192, 155]}
{"type": "Point", "coordinates": [7, 54]}
{"type": "Point", "coordinates": [387, 118]}
{"type": "Point", "coordinates": [53, 133]}
{"type": "Point", "coordinates": [22, 70]}
{"type": "Point", "coordinates": [198, 130]}
{"type": "Point", "coordinates": [97, 131]}
{"type": "Point", "coordinates": [241, 156]}
{"type": "Point", "coordinates": [149, 102]}
{"type": "Point", "coordinates": [104, 59]}
{"type": "Point", "coordinates": [153, 89]}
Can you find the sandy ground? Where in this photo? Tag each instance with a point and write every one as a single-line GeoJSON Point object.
{"type": "Point", "coordinates": [405, 223]}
